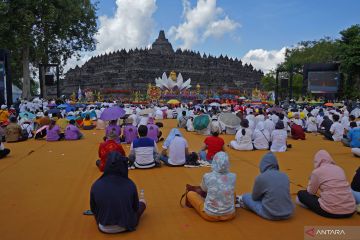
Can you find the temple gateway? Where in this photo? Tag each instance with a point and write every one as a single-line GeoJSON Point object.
{"type": "Point", "coordinates": [126, 72]}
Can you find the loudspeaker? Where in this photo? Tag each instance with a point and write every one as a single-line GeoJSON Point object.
{"type": "Point", "coordinates": [49, 80]}
{"type": "Point", "coordinates": [284, 83]}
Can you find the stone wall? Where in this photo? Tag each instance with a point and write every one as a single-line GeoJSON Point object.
{"type": "Point", "coordinates": [135, 69]}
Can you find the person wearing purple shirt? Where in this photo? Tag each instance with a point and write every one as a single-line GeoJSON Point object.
{"type": "Point", "coordinates": [53, 132]}
{"type": "Point", "coordinates": [130, 132]}
{"type": "Point", "coordinates": [113, 127]}
{"type": "Point", "coordinates": [72, 132]}
{"type": "Point", "coordinates": [153, 130]}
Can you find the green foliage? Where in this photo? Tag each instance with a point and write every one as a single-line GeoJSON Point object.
{"type": "Point", "coordinates": [321, 51]}
{"type": "Point", "coordinates": [53, 30]}
{"type": "Point", "coordinates": [268, 81]}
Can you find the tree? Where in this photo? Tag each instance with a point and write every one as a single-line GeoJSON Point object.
{"type": "Point", "coordinates": [349, 56]}
{"type": "Point", "coordinates": [268, 81]}
{"type": "Point", "coordinates": [322, 51]}
{"type": "Point", "coordinates": [43, 31]}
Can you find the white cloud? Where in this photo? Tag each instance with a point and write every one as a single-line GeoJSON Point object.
{"type": "Point", "coordinates": [201, 22]}
{"type": "Point", "coordinates": [264, 59]}
{"type": "Point", "coordinates": [130, 27]}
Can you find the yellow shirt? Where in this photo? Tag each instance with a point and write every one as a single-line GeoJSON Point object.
{"type": "Point", "coordinates": [4, 115]}
{"type": "Point", "coordinates": [62, 123]}
{"type": "Point", "coordinates": [87, 123]}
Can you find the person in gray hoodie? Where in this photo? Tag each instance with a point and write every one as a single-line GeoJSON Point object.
{"type": "Point", "coordinates": [270, 198]}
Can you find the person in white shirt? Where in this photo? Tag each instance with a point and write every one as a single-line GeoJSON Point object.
{"type": "Point", "coordinates": [297, 120]}
{"type": "Point", "coordinates": [260, 117]}
{"type": "Point", "coordinates": [274, 118]}
{"type": "Point", "coordinates": [143, 120]}
{"type": "Point", "coordinates": [336, 129]}
{"type": "Point", "coordinates": [278, 138]}
{"type": "Point", "coordinates": [311, 125]}
{"type": "Point", "coordinates": [177, 146]}
{"type": "Point", "coordinates": [143, 151]}
{"type": "Point", "coordinates": [269, 125]}
{"type": "Point", "coordinates": [261, 137]}
{"type": "Point", "coordinates": [243, 137]}
{"type": "Point", "coordinates": [189, 125]}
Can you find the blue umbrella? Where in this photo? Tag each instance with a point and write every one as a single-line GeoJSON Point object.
{"type": "Point", "coordinates": [51, 105]}
{"type": "Point", "coordinates": [112, 113]}
{"type": "Point", "coordinates": [63, 105]}
{"type": "Point", "coordinates": [71, 118]}
{"type": "Point", "coordinates": [69, 109]}
{"type": "Point", "coordinates": [27, 115]}
{"type": "Point", "coordinates": [54, 111]}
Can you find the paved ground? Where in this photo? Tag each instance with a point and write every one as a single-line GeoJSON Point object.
{"type": "Point", "coordinates": [44, 188]}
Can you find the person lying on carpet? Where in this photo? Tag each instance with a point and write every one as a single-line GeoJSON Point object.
{"type": "Point", "coordinates": [213, 144]}
{"type": "Point", "coordinates": [178, 149]}
{"type": "Point", "coordinates": [72, 132]}
{"type": "Point", "coordinates": [270, 197]}
{"type": "Point", "coordinates": [243, 137]}
{"type": "Point", "coordinates": [219, 204]}
{"type": "Point", "coordinates": [143, 151]}
{"type": "Point", "coordinates": [114, 199]}
{"type": "Point", "coordinates": [336, 199]}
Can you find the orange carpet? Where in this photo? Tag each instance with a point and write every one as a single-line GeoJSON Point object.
{"type": "Point", "coordinates": [45, 188]}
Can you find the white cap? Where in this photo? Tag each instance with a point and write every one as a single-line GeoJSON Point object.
{"type": "Point", "coordinates": [3, 107]}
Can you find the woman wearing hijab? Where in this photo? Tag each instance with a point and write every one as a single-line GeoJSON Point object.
{"type": "Point", "coordinates": [114, 198]}
{"type": "Point", "coordinates": [178, 149]}
{"type": "Point", "coordinates": [261, 137]}
{"type": "Point", "coordinates": [113, 128]}
{"type": "Point", "coordinates": [219, 204]}
{"type": "Point", "coordinates": [336, 199]}
{"type": "Point", "coordinates": [278, 138]}
{"type": "Point", "coordinates": [270, 197]}
{"type": "Point", "coordinates": [243, 137]}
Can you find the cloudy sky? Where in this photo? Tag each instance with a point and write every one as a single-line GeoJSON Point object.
{"type": "Point", "coordinates": [256, 31]}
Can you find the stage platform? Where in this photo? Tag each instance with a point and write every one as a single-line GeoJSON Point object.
{"type": "Point", "coordinates": [44, 189]}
